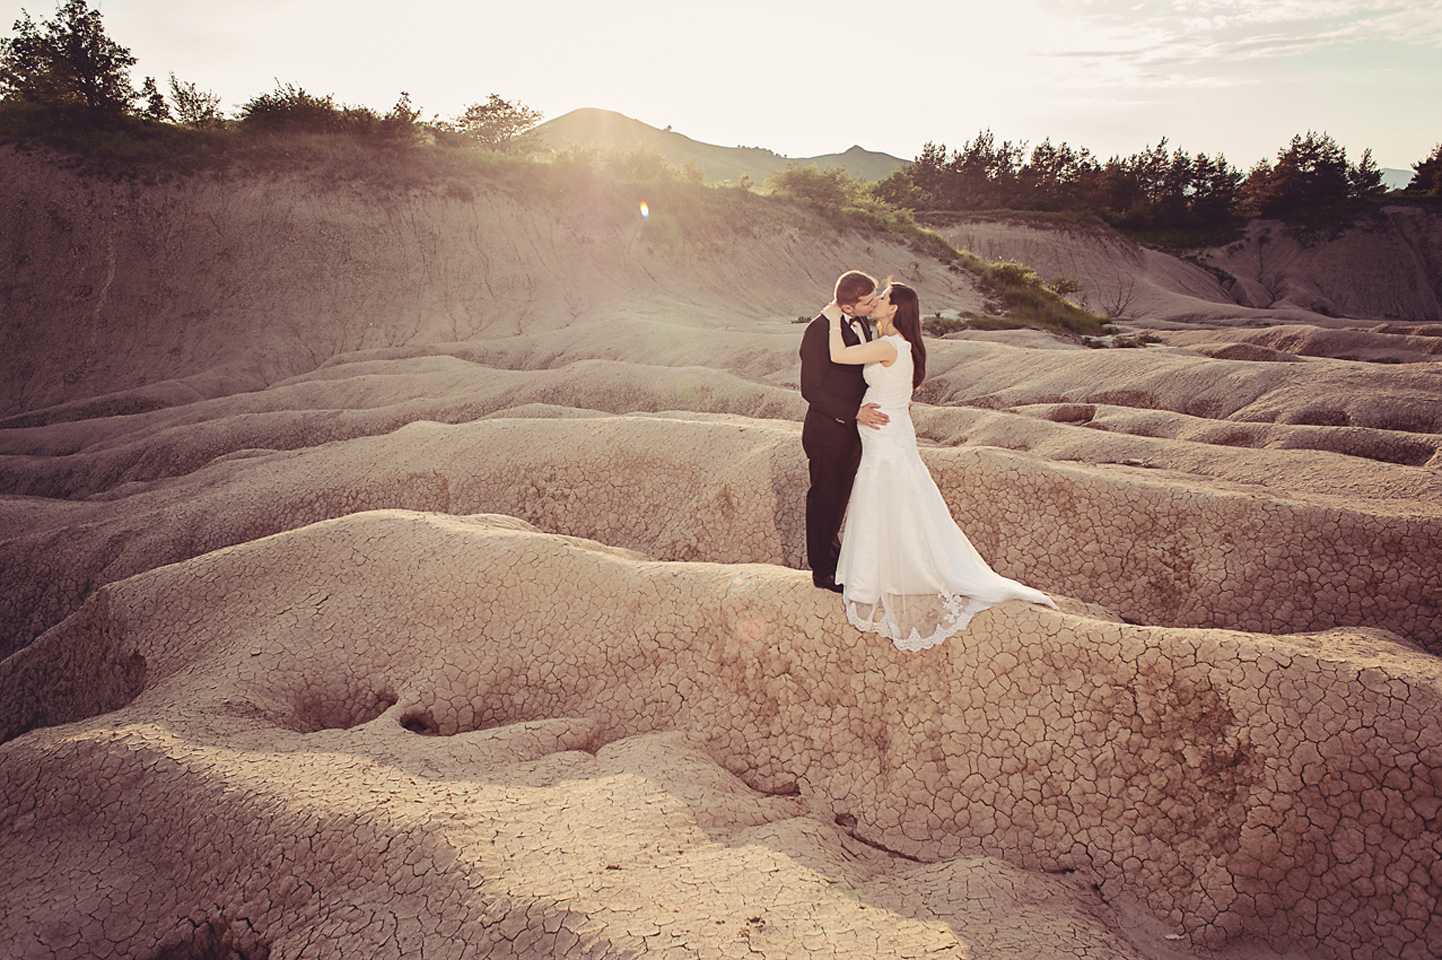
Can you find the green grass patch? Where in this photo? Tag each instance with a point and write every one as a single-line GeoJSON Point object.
{"type": "Point", "coordinates": [998, 323]}
{"type": "Point", "coordinates": [1027, 299]}
{"type": "Point", "coordinates": [941, 326]}
{"type": "Point", "coordinates": [1122, 341]}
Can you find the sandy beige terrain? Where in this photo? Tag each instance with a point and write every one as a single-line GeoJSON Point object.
{"type": "Point", "coordinates": [405, 572]}
{"type": "Point", "coordinates": [423, 727]}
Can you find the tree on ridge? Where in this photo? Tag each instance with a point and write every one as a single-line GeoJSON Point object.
{"type": "Point", "coordinates": [1427, 174]}
{"type": "Point", "coordinates": [194, 107]}
{"type": "Point", "coordinates": [497, 124]}
{"type": "Point", "coordinates": [1311, 171]}
{"type": "Point", "coordinates": [67, 62]}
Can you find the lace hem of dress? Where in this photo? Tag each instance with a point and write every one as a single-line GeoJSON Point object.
{"type": "Point", "coordinates": [915, 623]}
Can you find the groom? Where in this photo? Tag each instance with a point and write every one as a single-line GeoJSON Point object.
{"type": "Point", "coordinates": [833, 392]}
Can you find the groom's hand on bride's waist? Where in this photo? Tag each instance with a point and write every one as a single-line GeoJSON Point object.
{"type": "Point", "coordinates": [871, 416]}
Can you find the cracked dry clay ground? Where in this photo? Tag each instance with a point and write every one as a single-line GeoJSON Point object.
{"type": "Point", "coordinates": [396, 731]}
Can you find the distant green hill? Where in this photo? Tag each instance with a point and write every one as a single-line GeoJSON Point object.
{"type": "Point", "coordinates": [589, 125]}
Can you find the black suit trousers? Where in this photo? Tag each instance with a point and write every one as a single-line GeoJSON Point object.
{"type": "Point", "coordinates": [834, 457]}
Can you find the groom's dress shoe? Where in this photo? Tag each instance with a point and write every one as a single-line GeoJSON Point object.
{"type": "Point", "coordinates": [827, 584]}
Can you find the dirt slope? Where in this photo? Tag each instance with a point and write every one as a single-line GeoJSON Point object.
{"type": "Point", "coordinates": [1386, 265]}
{"type": "Point", "coordinates": [210, 286]}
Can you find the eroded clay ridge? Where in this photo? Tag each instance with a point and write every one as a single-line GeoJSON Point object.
{"type": "Point", "coordinates": [1387, 415]}
{"type": "Point", "coordinates": [1283, 789]}
{"type": "Point", "coordinates": [1155, 546]}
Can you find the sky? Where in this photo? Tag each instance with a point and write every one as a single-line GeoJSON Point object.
{"type": "Point", "coordinates": [1236, 77]}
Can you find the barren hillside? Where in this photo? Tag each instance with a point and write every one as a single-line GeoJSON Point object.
{"type": "Point", "coordinates": [214, 285]}
{"type": "Point", "coordinates": [1383, 266]}
{"type": "Point", "coordinates": [419, 569]}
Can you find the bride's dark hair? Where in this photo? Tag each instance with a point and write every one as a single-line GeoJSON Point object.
{"type": "Point", "coordinates": [908, 323]}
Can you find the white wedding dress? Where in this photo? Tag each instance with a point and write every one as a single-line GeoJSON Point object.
{"type": "Point", "coordinates": [907, 570]}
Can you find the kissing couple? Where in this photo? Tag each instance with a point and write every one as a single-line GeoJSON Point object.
{"type": "Point", "coordinates": [905, 570]}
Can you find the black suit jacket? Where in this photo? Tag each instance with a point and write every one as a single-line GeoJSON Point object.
{"type": "Point", "coordinates": [833, 390]}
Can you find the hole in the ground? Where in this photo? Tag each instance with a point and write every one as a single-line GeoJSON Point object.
{"type": "Point", "coordinates": [1072, 413]}
{"type": "Point", "coordinates": [848, 823]}
{"type": "Point", "coordinates": [312, 714]}
{"type": "Point", "coordinates": [571, 733]}
{"type": "Point", "coordinates": [421, 722]}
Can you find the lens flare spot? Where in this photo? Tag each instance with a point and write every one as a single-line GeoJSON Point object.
{"type": "Point", "coordinates": [752, 630]}
{"type": "Point", "coordinates": [645, 211]}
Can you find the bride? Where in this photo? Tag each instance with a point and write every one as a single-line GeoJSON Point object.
{"type": "Point", "coordinates": [906, 569]}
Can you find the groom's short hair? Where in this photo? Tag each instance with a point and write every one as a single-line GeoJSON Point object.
{"type": "Point", "coordinates": [853, 286]}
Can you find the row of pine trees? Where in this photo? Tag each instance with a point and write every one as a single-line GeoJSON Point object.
{"type": "Point", "coordinates": [1155, 188]}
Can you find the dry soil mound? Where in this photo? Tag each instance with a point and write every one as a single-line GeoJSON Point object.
{"type": "Point", "coordinates": [1141, 536]}
{"type": "Point", "coordinates": [397, 733]}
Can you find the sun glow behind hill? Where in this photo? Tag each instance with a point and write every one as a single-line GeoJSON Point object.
{"type": "Point", "coordinates": [593, 126]}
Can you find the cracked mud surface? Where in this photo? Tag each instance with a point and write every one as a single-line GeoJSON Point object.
{"type": "Point", "coordinates": [381, 687]}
